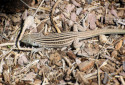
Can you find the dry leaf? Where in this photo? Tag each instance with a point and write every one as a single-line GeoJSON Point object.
{"type": "Point", "coordinates": [30, 76]}
{"type": "Point", "coordinates": [6, 75]}
{"type": "Point", "coordinates": [114, 12]}
{"type": "Point", "coordinates": [73, 16]}
{"type": "Point", "coordinates": [121, 13]}
{"type": "Point", "coordinates": [70, 23]}
{"type": "Point", "coordinates": [71, 55]}
{"type": "Point", "coordinates": [29, 22]}
{"type": "Point", "coordinates": [22, 59]}
{"type": "Point", "coordinates": [69, 8]}
{"type": "Point", "coordinates": [37, 82]}
{"type": "Point", "coordinates": [118, 45]}
{"type": "Point", "coordinates": [92, 20]}
{"type": "Point", "coordinates": [16, 18]}
{"type": "Point", "coordinates": [109, 19]}
{"type": "Point", "coordinates": [75, 3]}
{"type": "Point", "coordinates": [78, 11]}
{"type": "Point", "coordinates": [84, 66]}
{"type": "Point", "coordinates": [80, 78]}
{"type": "Point", "coordinates": [122, 50]}
{"type": "Point", "coordinates": [78, 61]}
{"type": "Point", "coordinates": [114, 53]}
{"type": "Point", "coordinates": [103, 39]}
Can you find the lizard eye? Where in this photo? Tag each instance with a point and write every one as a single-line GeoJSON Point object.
{"type": "Point", "coordinates": [34, 43]}
{"type": "Point", "coordinates": [27, 41]}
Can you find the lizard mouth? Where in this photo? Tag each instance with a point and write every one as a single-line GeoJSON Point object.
{"type": "Point", "coordinates": [25, 44]}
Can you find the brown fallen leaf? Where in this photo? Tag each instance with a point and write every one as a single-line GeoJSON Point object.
{"type": "Point", "coordinates": [6, 76]}
{"type": "Point", "coordinates": [29, 77]}
{"type": "Point", "coordinates": [78, 10]}
{"type": "Point", "coordinates": [81, 79]}
{"type": "Point", "coordinates": [92, 20]}
{"type": "Point", "coordinates": [103, 39]}
{"type": "Point", "coordinates": [109, 19]}
{"type": "Point", "coordinates": [37, 82]}
{"type": "Point", "coordinates": [122, 50]}
{"type": "Point", "coordinates": [114, 53]}
{"type": "Point", "coordinates": [118, 45]}
{"type": "Point", "coordinates": [22, 59]}
{"type": "Point", "coordinates": [73, 16]}
{"type": "Point", "coordinates": [75, 3]}
{"type": "Point", "coordinates": [69, 8]}
{"type": "Point", "coordinates": [71, 55]}
{"type": "Point", "coordinates": [114, 12]}
{"type": "Point", "coordinates": [84, 66]}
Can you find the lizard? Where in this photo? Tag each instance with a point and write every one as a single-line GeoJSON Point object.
{"type": "Point", "coordinates": [64, 39]}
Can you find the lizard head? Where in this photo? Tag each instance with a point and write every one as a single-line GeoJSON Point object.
{"type": "Point", "coordinates": [29, 39]}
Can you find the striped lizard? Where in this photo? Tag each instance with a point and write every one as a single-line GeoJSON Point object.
{"type": "Point", "coordinates": [57, 40]}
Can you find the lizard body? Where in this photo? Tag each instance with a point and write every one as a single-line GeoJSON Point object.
{"type": "Point", "coordinates": [56, 40]}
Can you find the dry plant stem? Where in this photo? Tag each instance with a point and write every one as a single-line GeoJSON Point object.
{"type": "Point", "coordinates": [20, 37]}
{"type": "Point", "coordinates": [98, 73]}
{"type": "Point", "coordinates": [3, 36]}
{"type": "Point", "coordinates": [122, 80]}
{"type": "Point", "coordinates": [27, 4]}
{"type": "Point", "coordinates": [121, 38]}
{"type": "Point", "coordinates": [121, 8]}
{"type": "Point", "coordinates": [6, 44]}
{"type": "Point", "coordinates": [38, 8]}
{"type": "Point", "coordinates": [2, 56]}
{"type": "Point", "coordinates": [68, 61]}
{"type": "Point", "coordinates": [23, 49]}
{"type": "Point", "coordinates": [45, 20]}
{"type": "Point", "coordinates": [58, 30]}
{"type": "Point", "coordinates": [118, 70]}
{"type": "Point", "coordinates": [40, 54]}
{"type": "Point", "coordinates": [42, 8]}
{"type": "Point", "coordinates": [88, 76]}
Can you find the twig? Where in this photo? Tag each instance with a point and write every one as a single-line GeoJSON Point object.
{"type": "Point", "coordinates": [2, 56]}
{"type": "Point", "coordinates": [27, 5]}
{"type": "Point", "coordinates": [38, 8]}
{"type": "Point", "coordinates": [122, 80]}
{"type": "Point", "coordinates": [98, 73]}
{"type": "Point", "coordinates": [45, 21]}
{"type": "Point", "coordinates": [3, 36]}
{"type": "Point", "coordinates": [23, 49]}
{"type": "Point", "coordinates": [58, 30]}
{"type": "Point", "coordinates": [6, 44]}
{"type": "Point", "coordinates": [67, 61]}
{"type": "Point", "coordinates": [120, 8]}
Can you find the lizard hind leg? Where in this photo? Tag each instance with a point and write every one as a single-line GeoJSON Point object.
{"type": "Point", "coordinates": [77, 45]}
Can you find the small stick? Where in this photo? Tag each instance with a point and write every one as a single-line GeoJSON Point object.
{"type": "Point", "coordinates": [38, 8]}
{"type": "Point", "coordinates": [44, 20]}
{"type": "Point", "coordinates": [5, 44]}
{"type": "Point", "coordinates": [121, 8]}
{"type": "Point", "coordinates": [23, 49]}
{"type": "Point", "coordinates": [27, 4]}
{"type": "Point", "coordinates": [58, 30]}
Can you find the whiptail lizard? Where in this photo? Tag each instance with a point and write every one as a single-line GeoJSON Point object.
{"type": "Point", "coordinates": [57, 40]}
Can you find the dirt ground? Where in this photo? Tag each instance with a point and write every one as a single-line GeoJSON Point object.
{"type": "Point", "coordinates": [100, 60]}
